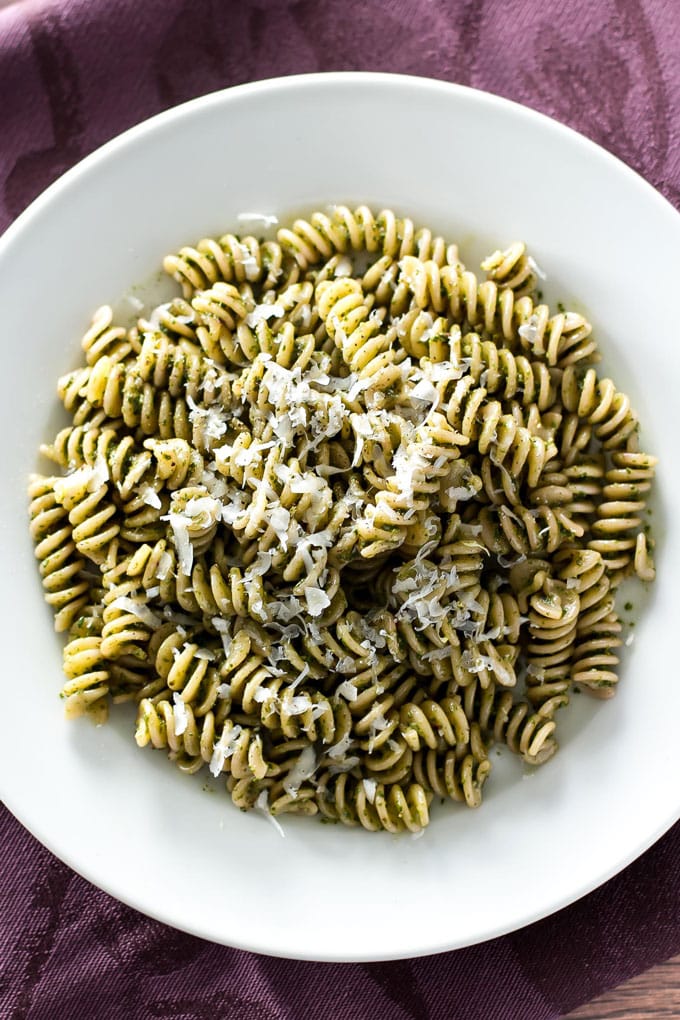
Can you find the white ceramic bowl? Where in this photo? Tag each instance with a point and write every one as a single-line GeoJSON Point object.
{"type": "Point", "coordinates": [484, 172]}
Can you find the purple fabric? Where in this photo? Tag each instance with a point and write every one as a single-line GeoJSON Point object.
{"type": "Point", "coordinates": [72, 75]}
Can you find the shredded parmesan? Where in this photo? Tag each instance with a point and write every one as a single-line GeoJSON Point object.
{"type": "Point", "coordinates": [262, 804]}
{"type": "Point", "coordinates": [181, 716]}
{"type": "Point", "coordinates": [261, 313]}
{"type": "Point", "coordinates": [317, 601]}
{"type": "Point", "coordinates": [180, 532]}
{"type": "Point", "coordinates": [370, 788]}
{"type": "Point", "coordinates": [347, 690]}
{"type": "Point", "coordinates": [138, 609]}
{"type": "Point", "coordinates": [224, 748]}
{"type": "Point", "coordinates": [304, 769]}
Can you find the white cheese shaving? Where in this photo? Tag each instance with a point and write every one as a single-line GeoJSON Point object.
{"type": "Point", "coordinates": [134, 302]}
{"type": "Point", "coordinates": [205, 654]}
{"type": "Point", "coordinates": [529, 330]}
{"type": "Point", "coordinates": [150, 497]}
{"type": "Point", "coordinates": [317, 601]}
{"type": "Point", "coordinates": [74, 486]}
{"type": "Point", "coordinates": [180, 533]}
{"type": "Point", "coordinates": [262, 804]}
{"type": "Point", "coordinates": [279, 520]}
{"type": "Point", "coordinates": [224, 748]}
{"type": "Point", "coordinates": [339, 750]}
{"type": "Point", "coordinates": [427, 393]}
{"type": "Point", "coordinates": [436, 654]}
{"type": "Point", "coordinates": [212, 420]}
{"type": "Point", "coordinates": [261, 313]}
{"type": "Point", "coordinates": [164, 566]}
{"type": "Point", "coordinates": [378, 724]}
{"type": "Point", "coordinates": [223, 628]}
{"type": "Point", "coordinates": [181, 716]}
{"type": "Point", "coordinates": [258, 219]}
{"type": "Point", "coordinates": [347, 690]}
{"type": "Point", "coordinates": [298, 704]}
{"type": "Point", "coordinates": [370, 788]}
{"type": "Point", "coordinates": [343, 267]}
{"type": "Point", "coordinates": [346, 765]}
{"type": "Point", "coordinates": [138, 609]}
{"type": "Point", "coordinates": [304, 768]}
{"type": "Point", "coordinates": [509, 561]}
{"type": "Point", "coordinates": [475, 662]}
{"type": "Point", "coordinates": [536, 268]}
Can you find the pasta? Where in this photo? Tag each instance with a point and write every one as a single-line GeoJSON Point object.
{"type": "Point", "coordinates": [342, 517]}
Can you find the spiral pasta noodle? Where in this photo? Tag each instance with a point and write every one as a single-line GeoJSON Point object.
{"type": "Point", "coordinates": [342, 517]}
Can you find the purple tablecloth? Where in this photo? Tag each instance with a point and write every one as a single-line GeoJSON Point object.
{"type": "Point", "coordinates": [73, 73]}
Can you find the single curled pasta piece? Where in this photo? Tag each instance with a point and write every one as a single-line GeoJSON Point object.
{"type": "Point", "coordinates": [431, 722]}
{"type": "Point", "coordinates": [365, 349]}
{"type": "Point", "coordinates": [603, 406]}
{"type": "Point", "coordinates": [447, 775]}
{"type": "Point", "coordinates": [128, 623]}
{"type": "Point", "coordinates": [616, 530]}
{"type": "Point", "coordinates": [195, 672]}
{"type": "Point", "coordinates": [93, 518]}
{"type": "Point", "coordinates": [119, 392]}
{"type": "Point", "coordinates": [561, 340]}
{"type": "Point", "coordinates": [553, 618]}
{"type": "Point", "coordinates": [597, 632]}
{"type": "Point", "coordinates": [87, 679]}
{"type": "Point", "coordinates": [178, 368]}
{"type": "Point", "coordinates": [506, 374]}
{"type": "Point", "coordinates": [512, 268]}
{"type": "Point", "coordinates": [103, 338]}
{"type": "Point", "coordinates": [595, 658]}
{"type": "Point", "coordinates": [61, 565]}
{"type": "Point", "coordinates": [230, 258]}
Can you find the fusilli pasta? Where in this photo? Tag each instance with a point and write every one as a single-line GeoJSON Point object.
{"type": "Point", "coordinates": [342, 517]}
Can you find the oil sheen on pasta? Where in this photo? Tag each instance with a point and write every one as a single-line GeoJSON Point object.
{"type": "Point", "coordinates": [341, 518]}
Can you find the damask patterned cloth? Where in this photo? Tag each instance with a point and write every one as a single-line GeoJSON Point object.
{"type": "Point", "coordinates": [74, 73]}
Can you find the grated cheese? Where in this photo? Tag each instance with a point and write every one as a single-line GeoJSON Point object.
{"type": "Point", "coordinates": [181, 716]}
{"type": "Point", "coordinates": [262, 804]}
{"type": "Point", "coordinates": [261, 313]}
{"type": "Point", "coordinates": [317, 600]}
{"type": "Point", "coordinates": [370, 789]}
{"type": "Point", "coordinates": [304, 768]}
{"type": "Point", "coordinates": [180, 533]}
{"type": "Point", "coordinates": [258, 219]}
{"type": "Point", "coordinates": [138, 609]}
{"type": "Point", "coordinates": [224, 748]}
{"type": "Point", "coordinates": [347, 690]}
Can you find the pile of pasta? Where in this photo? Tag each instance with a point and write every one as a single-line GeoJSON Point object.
{"type": "Point", "coordinates": [342, 517]}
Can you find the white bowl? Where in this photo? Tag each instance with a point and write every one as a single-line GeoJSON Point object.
{"type": "Point", "coordinates": [484, 172]}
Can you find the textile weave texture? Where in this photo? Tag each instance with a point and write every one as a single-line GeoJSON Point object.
{"type": "Point", "coordinates": [74, 73]}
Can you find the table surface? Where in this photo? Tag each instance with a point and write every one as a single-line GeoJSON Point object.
{"type": "Point", "coordinates": [654, 995]}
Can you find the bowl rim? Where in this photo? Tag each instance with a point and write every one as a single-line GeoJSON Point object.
{"type": "Point", "coordinates": [177, 114]}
